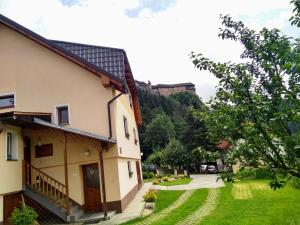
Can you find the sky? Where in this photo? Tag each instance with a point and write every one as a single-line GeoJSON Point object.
{"type": "Point", "coordinates": [158, 35]}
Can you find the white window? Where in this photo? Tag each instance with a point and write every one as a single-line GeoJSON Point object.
{"type": "Point", "coordinates": [11, 145]}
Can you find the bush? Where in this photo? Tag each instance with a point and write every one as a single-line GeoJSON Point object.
{"type": "Point", "coordinates": [151, 175]}
{"type": "Point", "coordinates": [295, 182]}
{"type": "Point", "coordinates": [262, 173]}
{"type": "Point", "coordinates": [165, 179]}
{"type": "Point", "coordinates": [246, 173]}
{"type": "Point", "coordinates": [156, 182]}
{"type": "Point", "coordinates": [145, 175]}
{"type": "Point", "coordinates": [23, 216]}
{"type": "Point", "coordinates": [181, 176]}
{"type": "Point", "coordinates": [174, 176]}
{"type": "Point", "coordinates": [253, 173]}
{"type": "Point", "coordinates": [150, 196]}
{"type": "Point", "coordinates": [159, 176]}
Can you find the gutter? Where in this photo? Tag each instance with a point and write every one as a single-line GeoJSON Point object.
{"type": "Point", "coordinates": [109, 116]}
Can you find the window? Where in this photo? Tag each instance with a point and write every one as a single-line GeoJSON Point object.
{"type": "Point", "coordinates": [7, 101]}
{"type": "Point", "coordinates": [135, 136]}
{"type": "Point", "coordinates": [126, 127]}
{"type": "Point", "coordinates": [63, 115]}
{"type": "Point", "coordinates": [130, 173]}
{"type": "Point", "coordinates": [43, 150]}
{"type": "Point", "coordinates": [12, 146]}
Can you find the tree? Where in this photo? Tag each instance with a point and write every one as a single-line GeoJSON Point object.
{"type": "Point", "coordinates": [175, 154]}
{"type": "Point", "coordinates": [258, 99]}
{"type": "Point", "coordinates": [155, 158]}
{"type": "Point", "coordinates": [159, 131]}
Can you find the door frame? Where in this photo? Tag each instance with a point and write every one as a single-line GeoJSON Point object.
{"type": "Point", "coordinates": [85, 185]}
{"type": "Point", "coordinates": [27, 155]}
{"type": "Point", "coordinates": [138, 173]}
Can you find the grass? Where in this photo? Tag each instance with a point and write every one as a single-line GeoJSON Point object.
{"type": "Point", "coordinates": [164, 199]}
{"type": "Point", "coordinates": [255, 203]}
{"type": "Point", "coordinates": [187, 208]}
{"type": "Point", "coordinates": [176, 182]}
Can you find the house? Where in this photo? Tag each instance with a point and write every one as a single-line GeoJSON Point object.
{"type": "Point", "coordinates": [69, 115]}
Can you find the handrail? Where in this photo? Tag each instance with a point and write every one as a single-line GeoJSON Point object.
{"type": "Point", "coordinates": [40, 171]}
{"type": "Point", "coordinates": [46, 185]}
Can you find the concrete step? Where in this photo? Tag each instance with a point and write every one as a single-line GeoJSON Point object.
{"type": "Point", "coordinates": [95, 217]}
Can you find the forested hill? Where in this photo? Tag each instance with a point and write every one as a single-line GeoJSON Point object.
{"type": "Point", "coordinates": [166, 118]}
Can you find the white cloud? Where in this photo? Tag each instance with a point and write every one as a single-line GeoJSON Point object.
{"type": "Point", "coordinates": [157, 43]}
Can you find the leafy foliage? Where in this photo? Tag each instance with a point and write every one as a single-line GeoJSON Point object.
{"type": "Point", "coordinates": [167, 118]}
{"type": "Point", "coordinates": [23, 216]}
{"type": "Point", "coordinates": [257, 100]}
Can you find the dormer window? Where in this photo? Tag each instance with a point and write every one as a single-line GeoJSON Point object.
{"type": "Point", "coordinates": [7, 101]}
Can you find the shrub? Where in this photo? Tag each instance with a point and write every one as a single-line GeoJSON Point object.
{"type": "Point", "coordinates": [295, 182]}
{"type": "Point", "coordinates": [150, 196]}
{"type": "Point", "coordinates": [181, 176]}
{"type": "Point", "coordinates": [246, 173]}
{"type": "Point", "coordinates": [262, 173]}
{"type": "Point", "coordinates": [23, 216]}
{"type": "Point", "coordinates": [174, 176]}
{"type": "Point", "coordinates": [151, 175]}
{"type": "Point", "coordinates": [156, 182]}
{"type": "Point", "coordinates": [253, 173]}
{"type": "Point", "coordinates": [159, 176]}
{"type": "Point", "coordinates": [165, 179]}
{"type": "Point", "coordinates": [145, 175]}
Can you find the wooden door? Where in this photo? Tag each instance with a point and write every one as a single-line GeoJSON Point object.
{"type": "Point", "coordinates": [92, 194]}
{"type": "Point", "coordinates": [10, 202]}
{"type": "Point", "coordinates": [138, 173]}
{"type": "Point", "coordinates": [27, 156]}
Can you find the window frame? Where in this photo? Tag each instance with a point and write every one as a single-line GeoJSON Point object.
{"type": "Point", "coordinates": [129, 167]}
{"type": "Point", "coordinates": [14, 137]}
{"type": "Point", "coordinates": [126, 129]}
{"type": "Point", "coordinates": [7, 95]}
{"type": "Point", "coordinates": [58, 114]}
{"type": "Point", "coordinates": [135, 136]}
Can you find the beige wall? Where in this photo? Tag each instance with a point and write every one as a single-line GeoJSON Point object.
{"type": "Point", "coordinates": [42, 80]}
{"type": "Point", "coordinates": [127, 183]}
{"type": "Point", "coordinates": [54, 165]}
{"type": "Point", "coordinates": [128, 148]}
{"type": "Point", "coordinates": [11, 171]}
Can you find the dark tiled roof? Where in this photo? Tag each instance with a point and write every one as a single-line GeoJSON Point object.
{"type": "Point", "coordinates": [111, 60]}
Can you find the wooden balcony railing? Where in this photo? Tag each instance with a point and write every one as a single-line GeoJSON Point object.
{"type": "Point", "coordinates": [46, 186]}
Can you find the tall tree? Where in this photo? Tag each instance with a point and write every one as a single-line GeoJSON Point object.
{"type": "Point", "coordinates": [258, 99]}
{"type": "Point", "coordinates": [159, 131]}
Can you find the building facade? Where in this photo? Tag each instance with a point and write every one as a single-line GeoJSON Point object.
{"type": "Point", "coordinates": [69, 114]}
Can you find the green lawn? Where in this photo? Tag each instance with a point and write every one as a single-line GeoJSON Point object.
{"type": "Point", "coordinates": [164, 199]}
{"type": "Point", "coordinates": [256, 204]}
{"type": "Point", "coordinates": [176, 182]}
{"type": "Point", "coordinates": [250, 202]}
{"type": "Point", "coordinates": [187, 208]}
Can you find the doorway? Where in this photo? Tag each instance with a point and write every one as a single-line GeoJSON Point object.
{"type": "Point", "coordinates": [91, 181]}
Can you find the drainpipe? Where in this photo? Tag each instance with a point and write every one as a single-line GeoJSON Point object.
{"type": "Point", "coordinates": [109, 116]}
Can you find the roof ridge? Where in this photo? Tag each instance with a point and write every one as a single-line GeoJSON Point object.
{"type": "Point", "coordinates": [89, 45]}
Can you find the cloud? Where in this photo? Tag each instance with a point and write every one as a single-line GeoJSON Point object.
{"type": "Point", "coordinates": [151, 6]}
{"type": "Point", "coordinates": [158, 38]}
